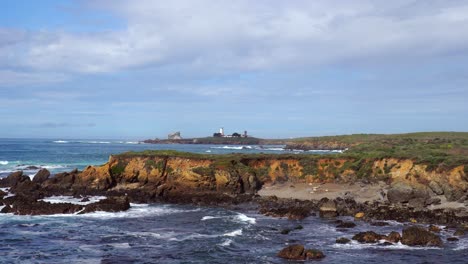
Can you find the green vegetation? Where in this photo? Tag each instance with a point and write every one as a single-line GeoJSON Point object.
{"type": "Point", "coordinates": [437, 150]}
{"type": "Point", "coordinates": [118, 169]}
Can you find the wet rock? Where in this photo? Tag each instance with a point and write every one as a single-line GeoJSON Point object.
{"type": "Point", "coordinates": [385, 244]}
{"type": "Point", "coordinates": [110, 204]}
{"type": "Point", "coordinates": [14, 179]}
{"type": "Point", "coordinates": [346, 225]}
{"type": "Point", "coordinates": [32, 167]}
{"type": "Point", "coordinates": [22, 205]}
{"type": "Point", "coordinates": [418, 236]}
{"type": "Point", "coordinates": [2, 194]}
{"type": "Point", "coordinates": [342, 240]}
{"type": "Point", "coordinates": [452, 239]}
{"type": "Point", "coordinates": [367, 237]}
{"type": "Point", "coordinates": [292, 209]}
{"type": "Point", "coordinates": [298, 252]}
{"type": "Point", "coordinates": [433, 228]}
{"type": "Point", "coordinates": [393, 237]}
{"type": "Point", "coordinates": [298, 227]}
{"type": "Point", "coordinates": [328, 209]}
{"type": "Point", "coordinates": [285, 231]}
{"type": "Point", "coordinates": [85, 199]}
{"type": "Point", "coordinates": [41, 176]}
{"type": "Point", "coordinates": [435, 187]}
{"type": "Point", "coordinates": [379, 224]}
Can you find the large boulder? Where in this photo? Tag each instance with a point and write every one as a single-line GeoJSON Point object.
{"type": "Point", "coordinates": [368, 237]}
{"type": "Point", "coordinates": [41, 176]}
{"type": "Point", "coordinates": [14, 179]}
{"type": "Point", "coordinates": [328, 209]}
{"type": "Point", "coordinates": [298, 252]}
{"type": "Point", "coordinates": [400, 192]}
{"type": "Point", "coordinates": [111, 204]}
{"type": "Point", "coordinates": [418, 236]}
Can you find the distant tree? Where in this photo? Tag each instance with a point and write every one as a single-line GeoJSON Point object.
{"type": "Point", "coordinates": [236, 134]}
{"type": "Point", "coordinates": [217, 135]}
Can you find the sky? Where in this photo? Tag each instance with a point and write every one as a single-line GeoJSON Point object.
{"type": "Point", "coordinates": [278, 69]}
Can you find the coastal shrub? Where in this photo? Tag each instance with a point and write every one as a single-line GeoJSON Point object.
{"type": "Point", "coordinates": [309, 167]}
{"type": "Point", "coordinates": [151, 164]}
{"type": "Point", "coordinates": [284, 166]}
{"type": "Point", "coordinates": [118, 169]}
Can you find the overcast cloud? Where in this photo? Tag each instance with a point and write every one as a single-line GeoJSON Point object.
{"type": "Point", "coordinates": [284, 60]}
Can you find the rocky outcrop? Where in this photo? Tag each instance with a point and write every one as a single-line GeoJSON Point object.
{"type": "Point", "coordinates": [298, 252]}
{"type": "Point", "coordinates": [418, 236]}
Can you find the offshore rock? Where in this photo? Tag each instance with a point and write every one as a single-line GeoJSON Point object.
{"type": "Point", "coordinates": [22, 205]}
{"type": "Point", "coordinates": [298, 252]}
{"type": "Point", "coordinates": [368, 237]}
{"type": "Point", "coordinates": [41, 176]}
{"type": "Point", "coordinates": [111, 204]}
{"type": "Point", "coordinates": [418, 236]}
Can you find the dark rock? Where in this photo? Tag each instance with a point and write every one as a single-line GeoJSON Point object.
{"type": "Point", "coordinates": [328, 209]}
{"type": "Point", "coordinates": [367, 237]}
{"type": "Point", "coordinates": [393, 237]}
{"type": "Point", "coordinates": [2, 194]}
{"type": "Point", "coordinates": [292, 209]}
{"type": "Point", "coordinates": [32, 168]}
{"type": "Point", "coordinates": [41, 176]}
{"type": "Point", "coordinates": [386, 243]}
{"type": "Point", "coordinates": [418, 236]}
{"type": "Point", "coordinates": [22, 205]}
{"type": "Point", "coordinates": [298, 252]}
{"type": "Point", "coordinates": [299, 227]}
{"type": "Point", "coordinates": [14, 179]}
{"type": "Point", "coordinates": [452, 239]}
{"type": "Point", "coordinates": [85, 199]}
{"type": "Point", "coordinates": [110, 204]}
{"type": "Point", "coordinates": [342, 240]}
{"type": "Point", "coordinates": [435, 187]}
{"type": "Point", "coordinates": [379, 224]}
{"type": "Point", "coordinates": [285, 231]}
{"type": "Point", "coordinates": [346, 225]}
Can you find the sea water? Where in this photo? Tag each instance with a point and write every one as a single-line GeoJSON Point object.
{"type": "Point", "coordinates": [163, 233]}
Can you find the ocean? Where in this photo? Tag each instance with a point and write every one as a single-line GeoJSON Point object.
{"type": "Point", "coordinates": [166, 233]}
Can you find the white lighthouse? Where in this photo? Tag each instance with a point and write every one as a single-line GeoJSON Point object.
{"type": "Point", "coordinates": [221, 131]}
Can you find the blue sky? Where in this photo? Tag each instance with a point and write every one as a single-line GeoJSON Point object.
{"type": "Point", "coordinates": [126, 69]}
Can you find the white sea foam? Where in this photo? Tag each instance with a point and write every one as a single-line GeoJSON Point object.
{"type": "Point", "coordinates": [208, 217]}
{"type": "Point", "coordinates": [462, 244]}
{"type": "Point", "coordinates": [3, 162]}
{"type": "Point", "coordinates": [131, 142]}
{"type": "Point", "coordinates": [208, 151]}
{"type": "Point", "coordinates": [229, 147]}
{"type": "Point", "coordinates": [120, 245]}
{"type": "Point", "coordinates": [397, 246]}
{"type": "Point", "coordinates": [234, 233]}
{"type": "Point", "coordinates": [71, 199]}
{"type": "Point", "coordinates": [245, 219]}
{"type": "Point", "coordinates": [61, 141]}
{"type": "Point", "coordinates": [226, 243]}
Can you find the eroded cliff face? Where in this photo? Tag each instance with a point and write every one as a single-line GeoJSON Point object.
{"type": "Point", "coordinates": [166, 177]}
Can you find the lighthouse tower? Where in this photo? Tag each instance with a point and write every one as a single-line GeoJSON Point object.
{"type": "Point", "coordinates": [221, 131]}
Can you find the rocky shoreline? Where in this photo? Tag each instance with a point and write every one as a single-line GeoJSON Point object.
{"type": "Point", "coordinates": [235, 182]}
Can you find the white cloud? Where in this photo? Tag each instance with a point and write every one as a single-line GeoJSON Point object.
{"type": "Point", "coordinates": [246, 35]}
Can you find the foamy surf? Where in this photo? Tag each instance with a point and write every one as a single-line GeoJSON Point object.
{"type": "Point", "coordinates": [397, 246]}
{"type": "Point", "coordinates": [226, 243]}
{"type": "Point", "coordinates": [234, 233]}
{"type": "Point", "coordinates": [72, 200]}
{"type": "Point", "coordinates": [4, 162]}
{"type": "Point", "coordinates": [245, 219]}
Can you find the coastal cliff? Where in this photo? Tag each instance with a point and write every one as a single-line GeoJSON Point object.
{"type": "Point", "coordinates": [175, 176]}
